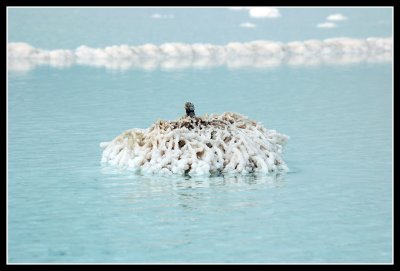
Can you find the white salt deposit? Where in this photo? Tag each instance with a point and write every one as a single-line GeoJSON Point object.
{"type": "Point", "coordinates": [226, 143]}
{"type": "Point", "coordinates": [259, 54]}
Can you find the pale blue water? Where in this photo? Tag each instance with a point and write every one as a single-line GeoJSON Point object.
{"type": "Point", "coordinates": [335, 205]}
{"type": "Point", "coordinates": [69, 28]}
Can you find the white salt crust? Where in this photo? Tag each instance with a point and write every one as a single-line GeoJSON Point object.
{"type": "Point", "coordinates": [215, 144]}
{"type": "Point", "coordinates": [168, 56]}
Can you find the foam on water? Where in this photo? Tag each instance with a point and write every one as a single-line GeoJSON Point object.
{"type": "Point", "coordinates": [259, 53]}
{"type": "Point", "coordinates": [226, 143]}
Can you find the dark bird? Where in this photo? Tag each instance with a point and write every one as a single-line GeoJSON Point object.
{"type": "Point", "coordinates": [189, 107]}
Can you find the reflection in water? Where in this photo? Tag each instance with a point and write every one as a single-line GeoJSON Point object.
{"type": "Point", "coordinates": [191, 193]}
{"type": "Point", "coordinates": [156, 183]}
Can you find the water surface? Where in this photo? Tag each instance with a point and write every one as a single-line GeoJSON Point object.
{"type": "Point", "coordinates": [335, 205]}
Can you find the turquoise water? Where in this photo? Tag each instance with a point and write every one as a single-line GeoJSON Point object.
{"type": "Point", "coordinates": [334, 206]}
{"type": "Point", "coordinates": [71, 27]}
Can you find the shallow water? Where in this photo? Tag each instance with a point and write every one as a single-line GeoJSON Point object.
{"type": "Point", "coordinates": [335, 205]}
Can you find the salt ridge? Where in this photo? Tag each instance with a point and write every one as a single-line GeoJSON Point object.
{"type": "Point", "coordinates": [260, 53]}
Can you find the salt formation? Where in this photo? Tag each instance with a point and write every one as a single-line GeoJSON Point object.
{"type": "Point", "coordinates": [214, 144]}
{"type": "Point", "coordinates": [167, 56]}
